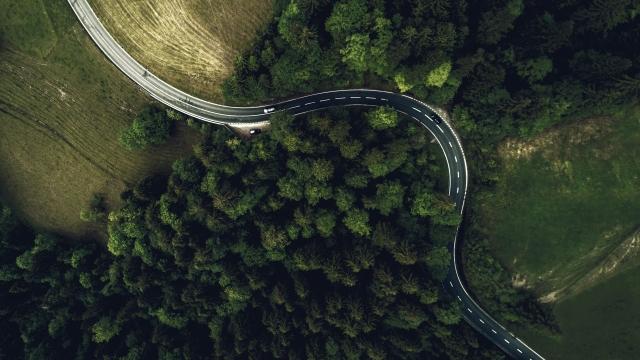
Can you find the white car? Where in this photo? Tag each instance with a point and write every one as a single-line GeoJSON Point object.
{"type": "Point", "coordinates": [269, 110]}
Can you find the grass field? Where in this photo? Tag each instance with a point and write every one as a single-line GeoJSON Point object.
{"type": "Point", "coordinates": [599, 323]}
{"type": "Point", "coordinates": [192, 44]}
{"type": "Point", "coordinates": [564, 218]}
{"type": "Point", "coordinates": [566, 200]}
{"type": "Point", "coordinates": [62, 107]}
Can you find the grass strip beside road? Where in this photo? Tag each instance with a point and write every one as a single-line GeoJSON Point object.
{"type": "Point", "coordinates": [62, 107]}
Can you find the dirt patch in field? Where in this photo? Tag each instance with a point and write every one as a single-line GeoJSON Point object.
{"type": "Point", "coordinates": [192, 44]}
{"type": "Point", "coordinates": [573, 134]}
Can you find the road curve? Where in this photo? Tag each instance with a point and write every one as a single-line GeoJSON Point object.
{"type": "Point", "coordinates": [228, 115]}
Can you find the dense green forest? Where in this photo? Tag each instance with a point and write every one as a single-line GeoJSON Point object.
{"type": "Point", "coordinates": [152, 126]}
{"type": "Point", "coordinates": [322, 239]}
{"type": "Point", "coordinates": [506, 67]}
{"type": "Point", "coordinates": [501, 67]}
{"type": "Point", "coordinates": [325, 237]}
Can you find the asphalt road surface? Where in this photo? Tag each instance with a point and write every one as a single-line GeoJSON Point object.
{"type": "Point", "coordinates": [247, 116]}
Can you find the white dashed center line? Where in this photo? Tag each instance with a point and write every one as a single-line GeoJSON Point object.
{"type": "Point", "coordinates": [469, 310]}
{"type": "Point", "coordinates": [341, 98]}
{"type": "Point", "coordinates": [309, 103]}
{"type": "Point", "coordinates": [455, 157]}
{"type": "Point", "coordinates": [459, 298]}
{"type": "Point", "coordinates": [323, 100]}
{"type": "Point", "coordinates": [429, 117]}
{"type": "Point", "coordinates": [482, 321]}
{"type": "Point", "coordinates": [458, 190]}
{"type": "Point", "coordinates": [294, 107]}
{"type": "Point", "coordinates": [507, 341]}
{"type": "Point", "coordinates": [355, 97]}
{"type": "Point", "coordinates": [520, 351]}
{"type": "Point", "coordinates": [458, 173]}
{"type": "Point", "coordinates": [450, 283]}
{"type": "Point", "coordinates": [450, 144]}
{"type": "Point", "coordinates": [370, 98]}
{"type": "Point", "coordinates": [439, 128]}
{"type": "Point", "coordinates": [495, 332]}
{"type": "Point", "coordinates": [383, 99]}
{"type": "Point", "coordinates": [416, 110]}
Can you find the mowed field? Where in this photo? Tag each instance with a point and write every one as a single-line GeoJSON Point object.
{"type": "Point", "coordinates": [191, 44]}
{"type": "Point", "coordinates": [565, 200]}
{"type": "Point", "coordinates": [564, 219]}
{"type": "Point", "coordinates": [62, 107]}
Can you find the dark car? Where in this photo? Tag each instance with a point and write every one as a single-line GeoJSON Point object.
{"type": "Point", "coordinates": [255, 131]}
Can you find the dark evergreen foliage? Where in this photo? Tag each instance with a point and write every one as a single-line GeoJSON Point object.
{"type": "Point", "coordinates": [323, 238]}
{"type": "Point", "coordinates": [296, 244]}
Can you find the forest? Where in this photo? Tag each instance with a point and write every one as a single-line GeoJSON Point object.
{"type": "Point", "coordinates": [325, 237]}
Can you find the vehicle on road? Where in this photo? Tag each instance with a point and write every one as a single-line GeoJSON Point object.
{"type": "Point", "coordinates": [254, 132]}
{"type": "Point", "coordinates": [269, 110]}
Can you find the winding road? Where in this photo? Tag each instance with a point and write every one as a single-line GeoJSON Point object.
{"type": "Point", "coordinates": [252, 116]}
